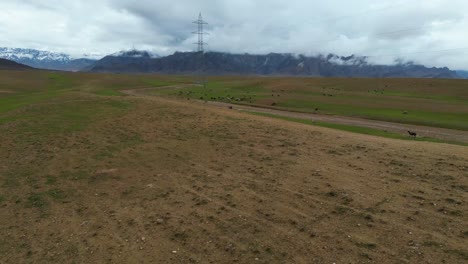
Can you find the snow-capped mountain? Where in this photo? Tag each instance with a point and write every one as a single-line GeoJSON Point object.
{"type": "Point", "coordinates": [45, 59]}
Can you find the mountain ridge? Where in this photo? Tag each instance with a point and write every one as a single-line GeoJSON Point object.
{"type": "Point", "coordinates": [220, 63]}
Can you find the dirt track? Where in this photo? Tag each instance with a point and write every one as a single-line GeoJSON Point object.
{"type": "Point", "coordinates": [422, 131]}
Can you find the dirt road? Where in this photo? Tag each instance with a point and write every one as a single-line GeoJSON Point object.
{"type": "Point", "coordinates": [422, 131]}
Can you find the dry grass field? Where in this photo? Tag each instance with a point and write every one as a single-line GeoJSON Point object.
{"type": "Point", "coordinates": [88, 175]}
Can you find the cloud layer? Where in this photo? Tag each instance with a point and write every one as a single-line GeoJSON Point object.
{"type": "Point", "coordinates": [432, 32]}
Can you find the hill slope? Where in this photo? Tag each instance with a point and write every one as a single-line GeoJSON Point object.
{"type": "Point", "coordinates": [217, 63]}
{"type": "Point", "coordinates": [11, 65]}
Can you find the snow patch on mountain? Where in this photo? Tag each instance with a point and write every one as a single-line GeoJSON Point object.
{"type": "Point", "coordinates": [45, 59]}
{"type": "Point", "coordinates": [18, 54]}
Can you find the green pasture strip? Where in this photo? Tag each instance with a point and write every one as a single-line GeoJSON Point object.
{"type": "Point", "coordinates": [443, 98]}
{"type": "Point", "coordinates": [357, 129]}
{"type": "Point", "coordinates": [67, 113]}
{"type": "Point", "coordinates": [445, 120]}
{"type": "Point", "coordinates": [57, 85]}
{"type": "Point", "coordinates": [360, 103]}
{"type": "Point", "coordinates": [250, 91]}
{"type": "Point", "coordinates": [16, 101]}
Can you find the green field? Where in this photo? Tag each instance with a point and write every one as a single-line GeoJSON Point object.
{"type": "Point", "coordinates": [440, 103]}
{"type": "Point", "coordinates": [359, 130]}
{"type": "Point", "coordinates": [20, 89]}
{"type": "Point", "coordinates": [431, 102]}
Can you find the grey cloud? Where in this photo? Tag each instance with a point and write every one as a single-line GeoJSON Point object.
{"type": "Point", "coordinates": [386, 30]}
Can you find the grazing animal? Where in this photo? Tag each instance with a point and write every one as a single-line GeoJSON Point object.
{"type": "Point", "coordinates": [412, 134]}
{"type": "Point", "coordinates": [230, 107]}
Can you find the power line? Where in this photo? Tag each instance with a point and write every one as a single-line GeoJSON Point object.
{"type": "Point", "coordinates": [200, 24]}
{"type": "Point", "coordinates": [201, 48]}
{"type": "Point", "coordinates": [201, 44]}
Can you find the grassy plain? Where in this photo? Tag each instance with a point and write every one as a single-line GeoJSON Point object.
{"type": "Point", "coordinates": [431, 102]}
{"type": "Point", "coordinates": [358, 129]}
{"type": "Point", "coordinates": [88, 175]}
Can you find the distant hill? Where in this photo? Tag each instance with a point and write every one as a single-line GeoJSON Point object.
{"type": "Point", "coordinates": [125, 61]}
{"type": "Point", "coordinates": [462, 74]}
{"type": "Point", "coordinates": [218, 63]}
{"type": "Point", "coordinates": [11, 65]}
{"type": "Point", "coordinates": [45, 59]}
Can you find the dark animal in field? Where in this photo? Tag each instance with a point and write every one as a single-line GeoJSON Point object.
{"type": "Point", "coordinates": [230, 107]}
{"type": "Point", "coordinates": [412, 134]}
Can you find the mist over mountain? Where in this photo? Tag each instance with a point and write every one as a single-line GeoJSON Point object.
{"type": "Point", "coordinates": [220, 63]}
{"type": "Point", "coordinates": [462, 74]}
{"type": "Point", "coordinates": [45, 59]}
{"type": "Point", "coordinates": [125, 61]}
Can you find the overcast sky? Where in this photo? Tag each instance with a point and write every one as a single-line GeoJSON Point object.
{"type": "Point", "coordinates": [432, 32]}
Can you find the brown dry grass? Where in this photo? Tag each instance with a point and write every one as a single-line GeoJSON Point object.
{"type": "Point", "coordinates": [179, 182]}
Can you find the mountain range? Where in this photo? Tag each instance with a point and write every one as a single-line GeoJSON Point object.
{"type": "Point", "coordinates": [124, 61]}
{"type": "Point", "coordinates": [219, 63]}
{"type": "Point", "coordinates": [45, 59]}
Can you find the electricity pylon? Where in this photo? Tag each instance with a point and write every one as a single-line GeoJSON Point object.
{"type": "Point", "coordinates": [201, 47]}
